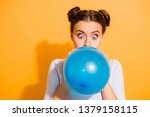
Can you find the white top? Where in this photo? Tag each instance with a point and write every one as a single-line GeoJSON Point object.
{"type": "Point", "coordinates": [55, 77]}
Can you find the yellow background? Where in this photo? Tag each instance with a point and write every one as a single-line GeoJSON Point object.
{"type": "Point", "coordinates": [34, 32]}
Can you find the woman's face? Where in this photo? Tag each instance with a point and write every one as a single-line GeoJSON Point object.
{"type": "Point", "coordinates": [87, 34]}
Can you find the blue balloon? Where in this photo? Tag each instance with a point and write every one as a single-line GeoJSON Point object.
{"type": "Point", "coordinates": [86, 70]}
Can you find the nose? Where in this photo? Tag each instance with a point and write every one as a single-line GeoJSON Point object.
{"type": "Point", "coordinates": [87, 42]}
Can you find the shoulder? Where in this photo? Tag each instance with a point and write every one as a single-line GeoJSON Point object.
{"type": "Point", "coordinates": [115, 69]}
{"type": "Point", "coordinates": [115, 64]}
{"type": "Point", "coordinates": [56, 68]}
{"type": "Point", "coordinates": [54, 63]}
{"type": "Point", "coordinates": [116, 72]}
{"type": "Point", "coordinates": [116, 79]}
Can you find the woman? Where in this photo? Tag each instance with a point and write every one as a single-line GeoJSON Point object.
{"type": "Point", "coordinates": [87, 29]}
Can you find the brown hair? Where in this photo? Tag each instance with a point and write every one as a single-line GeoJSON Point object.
{"type": "Point", "coordinates": [75, 15]}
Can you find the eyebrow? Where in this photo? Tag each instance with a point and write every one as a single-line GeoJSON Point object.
{"type": "Point", "coordinates": [91, 32]}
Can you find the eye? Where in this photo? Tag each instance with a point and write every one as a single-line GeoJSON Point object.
{"type": "Point", "coordinates": [94, 37]}
{"type": "Point", "coordinates": [80, 36]}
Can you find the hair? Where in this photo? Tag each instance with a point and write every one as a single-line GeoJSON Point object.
{"type": "Point", "coordinates": [101, 16]}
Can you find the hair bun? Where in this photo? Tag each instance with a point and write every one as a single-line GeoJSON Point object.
{"type": "Point", "coordinates": [106, 16]}
{"type": "Point", "coordinates": [73, 12]}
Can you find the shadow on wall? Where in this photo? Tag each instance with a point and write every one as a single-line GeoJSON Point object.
{"type": "Point", "coordinates": [45, 53]}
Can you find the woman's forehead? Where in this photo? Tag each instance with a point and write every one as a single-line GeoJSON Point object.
{"type": "Point", "coordinates": [89, 26]}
